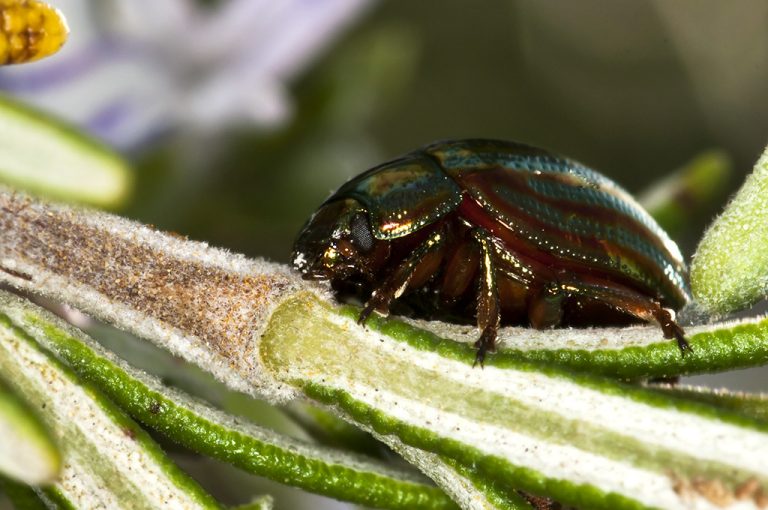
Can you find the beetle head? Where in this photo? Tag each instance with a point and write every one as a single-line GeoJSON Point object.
{"type": "Point", "coordinates": [336, 242]}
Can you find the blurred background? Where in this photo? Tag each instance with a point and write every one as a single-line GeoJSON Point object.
{"type": "Point", "coordinates": [241, 116]}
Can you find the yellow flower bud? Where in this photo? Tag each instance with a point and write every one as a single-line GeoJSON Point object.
{"type": "Point", "coordinates": [29, 30]}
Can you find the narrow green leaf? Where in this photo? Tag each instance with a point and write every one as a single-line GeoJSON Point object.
{"type": "Point", "coordinates": [108, 460]}
{"type": "Point", "coordinates": [689, 192]}
{"type": "Point", "coordinates": [22, 496]}
{"type": "Point", "coordinates": [751, 405]}
{"type": "Point", "coordinates": [28, 453]}
{"type": "Point", "coordinates": [498, 495]}
{"type": "Point", "coordinates": [462, 483]}
{"type": "Point", "coordinates": [584, 441]}
{"type": "Point", "coordinates": [329, 429]}
{"type": "Point", "coordinates": [211, 432]}
{"type": "Point", "coordinates": [729, 271]}
{"type": "Point", "coordinates": [47, 156]}
{"type": "Point", "coordinates": [635, 352]}
{"type": "Point", "coordinates": [469, 488]}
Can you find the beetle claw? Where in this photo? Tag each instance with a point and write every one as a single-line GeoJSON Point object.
{"type": "Point", "coordinates": [479, 358]}
{"type": "Point", "coordinates": [672, 330]}
{"type": "Point", "coordinates": [486, 343]}
{"type": "Point", "coordinates": [367, 311]}
{"type": "Point", "coordinates": [682, 343]}
{"type": "Point", "coordinates": [376, 302]}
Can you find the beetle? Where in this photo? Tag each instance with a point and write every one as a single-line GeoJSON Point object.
{"type": "Point", "coordinates": [498, 231]}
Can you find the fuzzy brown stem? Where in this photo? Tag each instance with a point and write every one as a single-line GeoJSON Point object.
{"type": "Point", "coordinates": [202, 303]}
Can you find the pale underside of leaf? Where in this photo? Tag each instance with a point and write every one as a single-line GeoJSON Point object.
{"type": "Point", "coordinates": [202, 428]}
{"type": "Point", "coordinates": [28, 453]}
{"type": "Point", "coordinates": [108, 462]}
{"type": "Point", "coordinates": [46, 156]}
{"type": "Point", "coordinates": [564, 432]}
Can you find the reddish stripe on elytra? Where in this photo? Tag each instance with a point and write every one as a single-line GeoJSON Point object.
{"type": "Point", "coordinates": [519, 181]}
{"type": "Point", "coordinates": [488, 181]}
{"type": "Point", "coordinates": [524, 220]}
{"type": "Point", "coordinates": [545, 264]}
{"type": "Point", "coordinates": [603, 213]}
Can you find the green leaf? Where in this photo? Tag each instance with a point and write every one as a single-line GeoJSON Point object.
{"type": "Point", "coordinates": [752, 405]}
{"type": "Point", "coordinates": [213, 433]}
{"type": "Point", "coordinates": [22, 496]}
{"type": "Point", "coordinates": [729, 271]}
{"type": "Point", "coordinates": [47, 156]}
{"type": "Point", "coordinates": [327, 428]}
{"type": "Point", "coordinates": [207, 305]}
{"type": "Point", "coordinates": [635, 352]}
{"type": "Point", "coordinates": [470, 489]}
{"type": "Point", "coordinates": [109, 461]}
{"type": "Point", "coordinates": [28, 453]}
{"type": "Point", "coordinates": [582, 440]}
{"type": "Point", "coordinates": [689, 192]}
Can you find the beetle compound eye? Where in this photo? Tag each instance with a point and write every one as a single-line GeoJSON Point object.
{"type": "Point", "coordinates": [360, 233]}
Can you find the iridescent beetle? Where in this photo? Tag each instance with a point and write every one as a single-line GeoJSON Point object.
{"type": "Point", "coordinates": [500, 231]}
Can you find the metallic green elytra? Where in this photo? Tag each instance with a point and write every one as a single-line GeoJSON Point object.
{"type": "Point", "coordinates": [499, 233]}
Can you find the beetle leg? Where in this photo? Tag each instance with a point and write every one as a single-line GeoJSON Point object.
{"type": "Point", "coordinates": [545, 308]}
{"type": "Point", "coordinates": [633, 303]}
{"type": "Point", "coordinates": [460, 271]}
{"type": "Point", "coordinates": [488, 311]}
{"type": "Point", "coordinates": [670, 328]}
{"type": "Point", "coordinates": [421, 263]}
